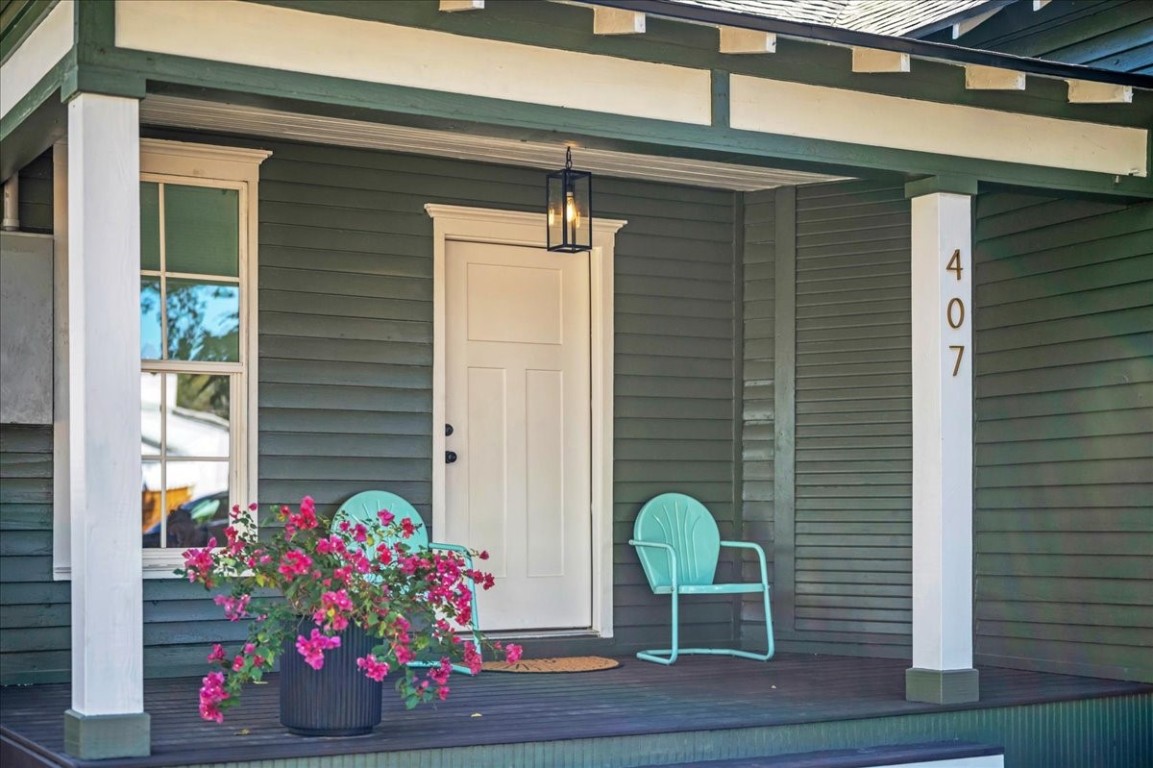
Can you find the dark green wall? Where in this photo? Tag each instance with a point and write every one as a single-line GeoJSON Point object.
{"type": "Point", "coordinates": [851, 528]}
{"type": "Point", "coordinates": [1109, 34]}
{"type": "Point", "coordinates": [1064, 435]}
{"type": "Point", "coordinates": [345, 376]}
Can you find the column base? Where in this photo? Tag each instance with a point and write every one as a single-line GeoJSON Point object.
{"type": "Point", "coordinates": [942, 686]}
{"type": "Point", "coordinates": [98, 737]}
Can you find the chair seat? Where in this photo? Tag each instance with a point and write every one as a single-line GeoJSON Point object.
{"type": "Point", "coordinates": [711, 589]}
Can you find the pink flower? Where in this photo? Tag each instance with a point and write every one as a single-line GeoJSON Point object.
{"type": "Point", "coordinates": [372, 667]}
{"type": "Point", "coordinates": [234, 608]}
{"type": "Point", "coordinates": [295, 563]}
{"type": "Point", "coordinates": [199, 563]}
{"type": "Point", "coordinates": [212, 693]}
{"type": "Point", "coordinates": [512, 653]}
{"type": "Point", "coordinates": [407, 528]}
{"type": "Point", "coordinates": [386, 517]}
{"type": "Point", "coordinates": [312, 648]}
{"type": "Point", "coordinates": [217, 655]}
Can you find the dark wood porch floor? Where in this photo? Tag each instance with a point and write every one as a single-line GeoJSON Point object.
{"type": "Point", "coordinates": [697, 694]}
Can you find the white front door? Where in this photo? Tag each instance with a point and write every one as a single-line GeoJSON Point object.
{"type": "Point", "coordinates": [518, 399]}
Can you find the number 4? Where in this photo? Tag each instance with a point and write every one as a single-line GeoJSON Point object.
{"type": "Point", "coordinates": [954, 264]}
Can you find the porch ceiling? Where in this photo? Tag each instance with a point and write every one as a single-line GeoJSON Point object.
{"type": "Point", "coordinates": [178, 112]}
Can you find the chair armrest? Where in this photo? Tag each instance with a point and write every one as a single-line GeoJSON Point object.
{"type": "Point", "coordinates": [453, 548]}
{"type": "Point", "coordinates": [672, 557]}
{"type": "Point", "coordinates": [756, 548]}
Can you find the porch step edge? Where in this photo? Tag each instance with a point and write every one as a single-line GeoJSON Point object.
{"type": "Point", "coordinates": [942, 752]}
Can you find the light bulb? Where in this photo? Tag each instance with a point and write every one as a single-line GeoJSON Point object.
{"type": "Point", "coordinates": [572, 213]}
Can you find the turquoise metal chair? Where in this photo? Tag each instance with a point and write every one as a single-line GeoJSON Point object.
{"type": "Point", "coordinates": [678, 544]}
{"type": "Point", "coordinates": [363, 508]}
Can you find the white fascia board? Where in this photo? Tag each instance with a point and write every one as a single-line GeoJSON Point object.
{"type": "Point", "coordinates": [369, 51]}
{"type": "Point", "coordinates": [49, 42]}
{"type": "Point", "coordinates": [872, 119]}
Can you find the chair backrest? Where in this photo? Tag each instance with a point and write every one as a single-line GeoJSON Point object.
{"type": "Point", "coordinates": [363, 508]}
{"type": "Point", "coordinates": [685, 524]}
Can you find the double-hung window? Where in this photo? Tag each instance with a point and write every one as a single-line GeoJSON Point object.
{"type": "Point", "coordinates": [197, 346]}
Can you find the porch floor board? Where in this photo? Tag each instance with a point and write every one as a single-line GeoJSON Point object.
{"type": "Point", "coordinates": [697, 694]}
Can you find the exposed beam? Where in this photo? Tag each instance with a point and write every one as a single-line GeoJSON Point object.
{"type": "Point", "coordinates": [617, 21]}
{"type": "Point", "coordinates": [968, 25]}
{"type": "Point", "coordinates": [734, 40]}
{"type": "Point", "coordinates": [979, 78]}
{"type": "Point", "coordinates": [1088, 92]}
{"type": "Point", "coordinates": [876, 60]}
{"type": "Point", "coordinates": [452, 6]}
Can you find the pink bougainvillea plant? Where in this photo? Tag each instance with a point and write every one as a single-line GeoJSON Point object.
{"type": "Point", "coordinates": [304, 582]}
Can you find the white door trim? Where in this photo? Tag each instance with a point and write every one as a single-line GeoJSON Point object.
{"type": "Point", "coordinates": [486, 225]}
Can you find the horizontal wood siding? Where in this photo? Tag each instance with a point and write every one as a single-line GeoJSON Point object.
{"type": "Point", "coordinates": [1064, 435]}
{"type": "Point", "coordinates": [345, 376]}
{"type": "Point", "coordinates": [34, 611]}
{"type": "Point", "coordinates": [758, 410]}
{"type": "Point", "coordinates": [346, 340]}
{"type": "Point", "coordinates": [853, 420]}
{"type": "Point", "coordinates": [1108, 34]}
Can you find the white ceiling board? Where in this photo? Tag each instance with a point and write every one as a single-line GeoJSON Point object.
{"type": "Point", "coordinates": [168, 111]}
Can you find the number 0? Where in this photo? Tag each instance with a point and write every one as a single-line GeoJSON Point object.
{"type": "Point", "coordinates": [956, 307]}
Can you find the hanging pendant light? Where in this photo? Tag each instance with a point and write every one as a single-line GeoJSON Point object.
{"type": "Point", "coordinates": [569, 198]}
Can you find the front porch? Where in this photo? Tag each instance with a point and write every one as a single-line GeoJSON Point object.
{"type": "Point", "coordinates": [637, 715]}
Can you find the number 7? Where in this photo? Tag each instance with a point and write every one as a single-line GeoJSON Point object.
{"type": "Point", "coordinates": [960, 353]}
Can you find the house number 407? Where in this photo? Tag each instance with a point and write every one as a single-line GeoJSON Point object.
{"type": "Point", "coordinates": [955, 310]}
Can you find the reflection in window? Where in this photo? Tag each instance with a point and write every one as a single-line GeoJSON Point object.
{"type": "Point", "coordinates": [185, 445]}
{"type": "Point", "coordinates": [190, 329]}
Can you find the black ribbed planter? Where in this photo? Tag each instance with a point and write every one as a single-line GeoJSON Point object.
{"type": "Point", "coordinates": [335, 700]}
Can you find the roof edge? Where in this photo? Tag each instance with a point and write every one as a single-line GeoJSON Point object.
{"type": "Point", "coordinates": [835, 35]}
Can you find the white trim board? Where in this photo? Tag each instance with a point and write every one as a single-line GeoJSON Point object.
{"type": "Point", "coordinates": [487, 225]}
{"type": "Point", "coordinates": [871, 119]}
{"type": "Point", "coordinates": [49, 42]}
{"type": "Point", "coordinates": [171, 111]}
{"type": "Point", "coordinates": [375, 52]}
{"type": "Point", "coordinates": [177, 159]}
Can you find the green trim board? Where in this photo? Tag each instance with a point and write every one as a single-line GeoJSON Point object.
{"type": "Point", "coordinates": [99, 737]}
{"type": "Point", "coordinates": [421, 106]}
{"type": "Point", "coordinates": [1103, 733]}
{"type": "Point", "coordinates": [785, 409]}
{"type": "Point", "coordinates": [668, 41]}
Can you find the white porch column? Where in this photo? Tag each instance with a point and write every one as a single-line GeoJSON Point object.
{"type": "Point", "coordinates": [942, 338]}
{"type": "Point", "coordinates": [107, 717]}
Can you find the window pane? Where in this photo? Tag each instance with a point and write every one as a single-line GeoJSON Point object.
{"type": "Point", "coordinates": [152, 501]}
{"type": "Point", "coordinates": [203, 321]}
{"type": "Point", "coordinates": [150, 387]}
{"type": "Point", "coordinates": [197, 503]}
{"type": "Point", "coordinates": [201, 230]}
{"type": "Point", "coordinates": [149, 225]}
{"type": "Point", "coordinates": [197, 415]}
{"type": "Point", "coordinates": [150, 342]}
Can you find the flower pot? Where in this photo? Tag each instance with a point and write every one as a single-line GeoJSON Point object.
{"type": "Point", "coordinates": [335, 700]}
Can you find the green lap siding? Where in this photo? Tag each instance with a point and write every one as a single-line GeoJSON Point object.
{"type": "Point", "coordinates": [1108, 34]}
{"type": "Point", "coordinates": [345, 374]}
{"type": "Point", "coordinates": [758, 449]}
{"type": "Point", "coordinates": [1064, 435]}
{"type": "Point", "coordinates": [853, 419]}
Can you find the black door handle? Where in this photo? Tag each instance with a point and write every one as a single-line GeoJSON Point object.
{"type": "Point", "coordinates": [449, 457]}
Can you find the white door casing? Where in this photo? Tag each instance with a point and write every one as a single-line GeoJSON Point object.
{"type": "Point", "coordinates": [517, 378]}
{"type": "Point", "coordinates": [479, 225]}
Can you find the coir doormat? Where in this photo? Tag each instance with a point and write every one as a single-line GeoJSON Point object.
{"type": "Point", "coordinates": [554, 664]}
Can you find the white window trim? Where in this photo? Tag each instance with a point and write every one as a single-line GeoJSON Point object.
{"type": "Point", "coordinates": [176, 161]}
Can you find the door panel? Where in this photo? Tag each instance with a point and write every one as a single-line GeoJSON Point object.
{"type": "Point", "coordinates": [517, 375]}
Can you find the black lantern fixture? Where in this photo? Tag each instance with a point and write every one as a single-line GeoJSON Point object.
{"type": "Point", "coordinates": [569, 197]}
